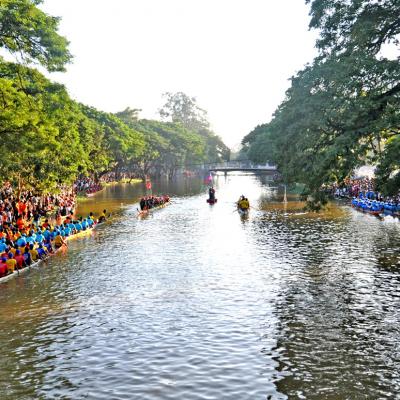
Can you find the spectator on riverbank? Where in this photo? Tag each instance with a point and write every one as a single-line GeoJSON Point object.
{"type": "Point", "coordinates": [19, 211]}
{"type": "Point", "coordinates": [86, 185]}
{"type": "Point", "coordinates": [363, 188]}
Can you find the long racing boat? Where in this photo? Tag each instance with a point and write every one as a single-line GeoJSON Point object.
{"type": "Point", "coordinates": [35, 264]}
{"type": "Point", "coordinates": [375, 207]}
{"type": "Point", "coordinates": [144, 213]}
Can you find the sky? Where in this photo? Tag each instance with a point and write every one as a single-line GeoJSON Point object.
{"type": "Point", "coordinates": [234, 56]}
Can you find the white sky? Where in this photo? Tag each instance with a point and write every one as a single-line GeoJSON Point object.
{"type": "Point", "coordinates": [234, 56]}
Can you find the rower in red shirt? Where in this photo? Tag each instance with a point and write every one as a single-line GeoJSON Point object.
{"type": "Point", "coordinates": [3, 267]}
{"type": "Point", "coordinates": [19, 258]}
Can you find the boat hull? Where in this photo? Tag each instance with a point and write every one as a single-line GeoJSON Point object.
{"type": "Point", "coordinates": [243, 212]}
{"type": "Point", "coordinates": [145, 213]}
{"type": "Point", "coordinates": [211, 201]}
{"type": "Point", "coordinates": [375, 213]}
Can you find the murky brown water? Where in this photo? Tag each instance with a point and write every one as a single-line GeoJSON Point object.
{"type": "Point", "coordinates": [196, 302]}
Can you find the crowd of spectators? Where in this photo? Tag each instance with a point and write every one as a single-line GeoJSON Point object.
{"type": "Point", "coordinates": [27, 205]}
{"type": "Point", "coordinates": [353, 187]}
{"type": "Point", "coordinates": [86, 185]}
{"type": "Point", "coordinates": [114, 177]}
{"type": "Point", "coordinates": [361, 188]}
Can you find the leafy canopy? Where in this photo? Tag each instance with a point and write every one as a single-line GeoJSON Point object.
{"type": "Point", "coordinates": [341, 111]}
{"type": "Point", "coordinates": [31, 35]}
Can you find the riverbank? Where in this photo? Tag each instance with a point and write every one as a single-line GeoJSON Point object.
{"type": "Point", "coordinates": [82, 196]}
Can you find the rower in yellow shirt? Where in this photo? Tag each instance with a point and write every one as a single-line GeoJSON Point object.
{"type": "Point", "coordinates": [34, 253]}
{"type": "Point", "coordinates": [11, 263]}
{"type": "Point", "coordinates": [243, 203]}
{"type": "Point", "coordinates": [59, 241]}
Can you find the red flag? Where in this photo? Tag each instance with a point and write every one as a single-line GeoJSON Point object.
{"type": "Point", "coordinates": [148, 185]}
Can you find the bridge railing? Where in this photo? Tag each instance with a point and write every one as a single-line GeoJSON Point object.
{"type": "Point", "coordinates": [241, 165]}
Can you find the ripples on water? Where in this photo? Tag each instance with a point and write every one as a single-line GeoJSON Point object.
{"type": "Point", "coordinates": [196, 303]}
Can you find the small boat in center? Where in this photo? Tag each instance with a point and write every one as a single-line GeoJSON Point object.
{"type": "Point", "coordinates": [243, 205]}
{"type": "Point", "coordinates": [211, 196]}
{"type": "Point", "coordinates": [243, 211]}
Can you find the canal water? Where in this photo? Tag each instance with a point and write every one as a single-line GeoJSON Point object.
{"type": "Point", "coordinates": [196, 302]}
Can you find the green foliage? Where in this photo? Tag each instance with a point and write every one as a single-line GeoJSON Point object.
{"type": "Point", "coordinates": [39, 128]}
{"type": "Point", "coordinates": [342, 111]}
{"type": "Point", "coordinates": [357, 25]}
{"type": "Point", "coordinates": [48, 139]}
{"type": "Point", "coordinates": [129, 115]}
{"type": "Point", "coordinates": [29, 33]}
{"type": "Point", "coordinates": [168, 146]}
{"type": "Point", "coordinates": [388, 171]}
{"type": "Point", "coordinates": [182, 109]}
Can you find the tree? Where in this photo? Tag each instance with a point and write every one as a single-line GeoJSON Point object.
{"type": "Point", "coordinates": [348, 26]}
{"type": "Point", "coordinates": [122, 143]}
{"type": "Point", "coordinates": [184, 109]}
{"type": "Point", "coordinates": [40, 143]}
{"type": "Point", "coordinates": [31, 34]}
{"type": "Point", "coordinates": [168, 147]}
{"type": "Point", "coordinates": [129, 115]}
{"type": "Point", "coordinates": [180, 108]}
{"type": "Point", "coordinates": [342, 110]}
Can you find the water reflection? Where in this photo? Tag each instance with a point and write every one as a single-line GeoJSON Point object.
{"type": "Point", "coordinates": [195, 302]}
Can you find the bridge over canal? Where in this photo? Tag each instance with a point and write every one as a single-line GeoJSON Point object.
{"type": "Point", "coordinates": [242, 166]}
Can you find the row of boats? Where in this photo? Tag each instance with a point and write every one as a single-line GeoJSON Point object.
{"type": "Point", "coordinates": [373, 207]}
{"type": "Point", "coordinates": [147, 206]}
{"type": "Point", "coordinates": [150, 204]}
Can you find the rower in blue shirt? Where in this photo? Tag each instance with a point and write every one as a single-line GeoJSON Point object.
{"type": "Point", "coordinates": [78, 226]}
{"type": "Point", "coordinates": [42, 252]}
{"type": "Point", "coordinates": [90, 221]}
{"type": "Point", "coordinates": [31, 238]}
{"type": "Point", "coordinates": [39, 237]}
{"type": "Point", "coordinates": [3, 245]}
{"type": "Point", "coordinates": [48, 246]}
{"type": "Point", "coordinates": [67, 230]}
{"type": "Point", "coordinates": [46, 234]}
{"type": "Point", "coordinates": [21, 242]}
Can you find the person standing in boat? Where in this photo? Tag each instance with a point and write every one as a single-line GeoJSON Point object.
{"type": "Point", "coordinates": [142, 203]}
{"type": "Point", "coordinates": [211, 194]}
